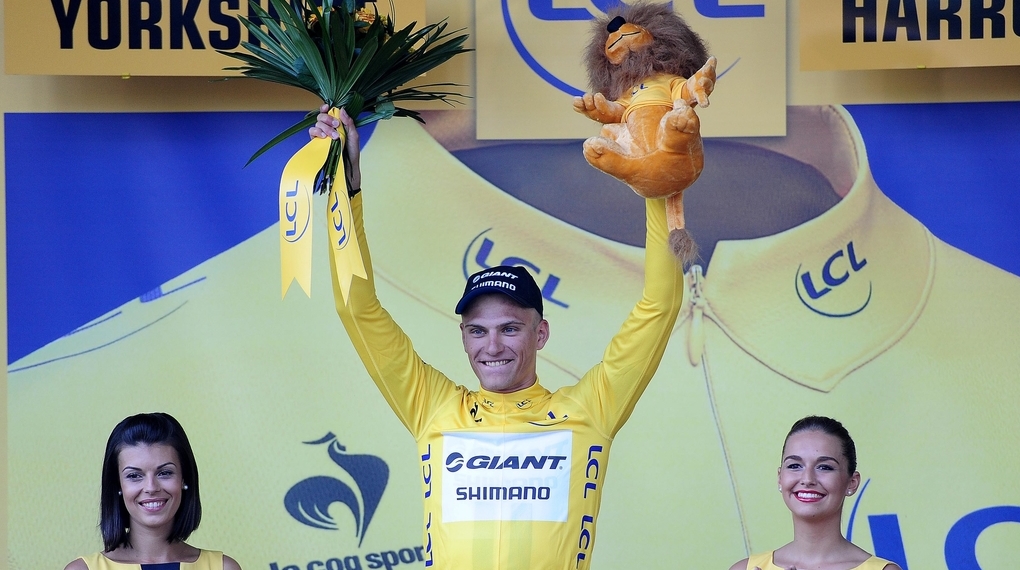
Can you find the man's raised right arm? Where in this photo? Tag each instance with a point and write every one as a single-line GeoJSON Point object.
{"type": "Point", "coordinates": [410, 387]}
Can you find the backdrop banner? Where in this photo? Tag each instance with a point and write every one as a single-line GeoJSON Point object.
{"type": "Point", "coordinates": [138, 37]}
{"type": "Point", "coordinates": [529, 66]}
{"type": "Point", "coordinates": [864, 267]}
{"type": "Point", "coordinates": [899, 34]}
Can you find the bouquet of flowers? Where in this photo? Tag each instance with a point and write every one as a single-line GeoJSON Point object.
{"type": "Point", "coordinates": [350, 58]}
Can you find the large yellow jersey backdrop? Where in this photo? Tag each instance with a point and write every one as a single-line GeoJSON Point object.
{"type": "Point", "coordinates": [857, 262]}
{"type": "Point", "coordinates": [815, 294]}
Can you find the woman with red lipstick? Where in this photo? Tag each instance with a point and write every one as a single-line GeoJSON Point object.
{"type": "Point", "coordinates": [149, 502]}
{"type": "Point", "coordinates": [818, 471]}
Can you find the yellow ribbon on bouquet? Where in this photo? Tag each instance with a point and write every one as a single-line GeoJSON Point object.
{"type": "Point", "coordinates": [343, 236]}
{"type": "Point", "coordinates": [296, 186]}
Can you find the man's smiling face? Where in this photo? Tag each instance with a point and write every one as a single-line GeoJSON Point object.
{"type": "Point", "coordinates": [502, 340]}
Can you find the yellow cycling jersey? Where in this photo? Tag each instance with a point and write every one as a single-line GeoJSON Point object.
{"type": "Point", "coordinates": [207, 560]}
{"type": "Point", "coordinates": [763, 561]}
{"type": "Point", "coordinates": [514, 481]}
{"type": "Point", "coordinates": [657, 90]}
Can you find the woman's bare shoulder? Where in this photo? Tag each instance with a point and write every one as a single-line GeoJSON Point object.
{"type": "Point", "coordinates": [230, 564]}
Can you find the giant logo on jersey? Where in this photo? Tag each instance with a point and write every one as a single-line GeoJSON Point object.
{"type": "Point", "coordinates": [309, 500]}
{"type": "Point", "coordinates": [456, 461]}
{"type": "Point", "coordinates": [506, 476]}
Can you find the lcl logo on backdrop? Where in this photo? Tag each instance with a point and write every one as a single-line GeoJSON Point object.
{"type": "Point", "coordinates": [835, 288]}
{"type": "Point", "coordinates": [479, 255]}
{"type": "Point", "coordinates": [309, 500]}
{"type": "Point", "coordinates": [547, 59]}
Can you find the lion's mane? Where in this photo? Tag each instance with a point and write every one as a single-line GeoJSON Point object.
{"type": "Point", "coordinates": [677, 50]}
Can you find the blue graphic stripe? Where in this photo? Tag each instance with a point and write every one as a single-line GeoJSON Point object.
{"type": "Point", "coordinates": [560, 14]}
{"type": "Point", "coordinates": [952, 166]}
{"type": "Point", "coordinates": [140, 199]}
{"type": "Point", "coordinates": [95, 348]}
{"type": "Point", "coordinates": [158, 293]}
{"type": "Point", "coordinates": [713, 9]}
{"type": "Point", "coordinates": [95, 324]}
{"type": "Point", "coordinates": [853, 512]}
{"type": "Point", "coordinates": [719, 76]}
{"type": "Point", "coordinates": [531, 61]}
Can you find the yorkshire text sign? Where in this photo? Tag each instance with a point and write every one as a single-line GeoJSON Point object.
{"type": "Point", "coordinates": [136, 37]}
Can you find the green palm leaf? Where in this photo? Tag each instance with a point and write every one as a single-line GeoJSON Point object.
{"type": "Point", "coordinates": [346, 62]}
{"type": "Point", "coordinates": [300, 126]}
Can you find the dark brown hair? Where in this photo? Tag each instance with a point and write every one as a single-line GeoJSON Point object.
{"type": "Point", "coordinates": [831, 427]}
{"type": "Point", "coordinates": [146, 429]}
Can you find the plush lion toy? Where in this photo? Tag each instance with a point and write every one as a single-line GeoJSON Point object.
{"type": "Point", "coordinates": [643, 66]}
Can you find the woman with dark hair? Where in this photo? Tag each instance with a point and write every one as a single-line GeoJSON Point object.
{"type": "Point", "coordinates": [149, 502]}
{"type": "Point", "coordinates": [818, 471]}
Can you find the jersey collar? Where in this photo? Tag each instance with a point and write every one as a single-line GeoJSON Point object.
{"type": "Point", "coordinates": [820, 300]}
{"type": "Point", "coordinates": [514, 401]}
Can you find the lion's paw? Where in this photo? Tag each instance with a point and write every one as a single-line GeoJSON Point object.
{"type": "Point", "coordinates": [594, 147]}
{"type": "Point", "coordinates": [597, 108]}
{"type": "Point", "coordinates": [681, 119]}
{"type": "Point", "coordinates": [605, 155]}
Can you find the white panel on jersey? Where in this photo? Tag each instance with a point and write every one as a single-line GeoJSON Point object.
{"type": "Point", "coordinates": [506, 476]}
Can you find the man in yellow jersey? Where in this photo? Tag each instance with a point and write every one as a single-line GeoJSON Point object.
{"type": "Point", "coordinates": [512, 474]}
{"type": "Point", "coordinates": [853, 310]}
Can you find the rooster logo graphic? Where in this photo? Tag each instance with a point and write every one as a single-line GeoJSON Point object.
{"type": "Point", "coordinates": [309, 500]}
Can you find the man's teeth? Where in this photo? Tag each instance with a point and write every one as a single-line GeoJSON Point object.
{"type": "Point", "coordinates": [496, 362]}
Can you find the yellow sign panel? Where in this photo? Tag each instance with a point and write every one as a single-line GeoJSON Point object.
{"type": "Point", "coordinates": [529, 66]}
{"type": "Point", "coordinates": [137, 37]}
{"type": "Point", "coordinates": [898, 34]}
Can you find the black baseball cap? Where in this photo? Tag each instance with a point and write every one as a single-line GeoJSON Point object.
{"type": "Point", "coordinates": [510, 280]}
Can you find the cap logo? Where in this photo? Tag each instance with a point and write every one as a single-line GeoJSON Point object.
{"type": "Point", "coordinates": [500, 284]}
{"type": "Point", "coordinates": [488, 274]}
{"type": "Point", "coordinates": [514, 282]}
